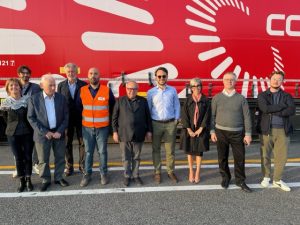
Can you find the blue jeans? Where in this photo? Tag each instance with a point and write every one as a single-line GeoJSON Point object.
{"type": "Point", "coordinates": [95, 137]}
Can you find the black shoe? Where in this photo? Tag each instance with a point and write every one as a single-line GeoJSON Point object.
{"type": "Point", "coordinates": [22, 185]}
{"type": "Point", "coordinates": [45, 186]}
{"type": "Point", "coordinates": [244, 187]}
{"type": "Point", "coordinates": [138, 181]}
{"type": "Point", "coordinates": [62, 183]}
{"type": "Point", "coordinates": [28, 184]}
{"type": "Point", "coordinates": [126, 181]}
{"type": "Point", "coordinates": [225, 183]}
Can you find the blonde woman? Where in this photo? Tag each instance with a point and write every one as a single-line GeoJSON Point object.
{"type": "Point", "coordinates": [19, 132]}
{"type": "Point", "coordinates": [195, 132]}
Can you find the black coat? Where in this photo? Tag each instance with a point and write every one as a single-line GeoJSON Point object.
{"type": "Point", "coordinates": [14, 118]}
{"type": "Point", "coordinates": [75, 114]}
{"type": "Point", "coordinates": [201, 143]}
{"type": "Point", "coordinates": [285, 109]}
{"type": "Point", "coordinates": [131, 124]}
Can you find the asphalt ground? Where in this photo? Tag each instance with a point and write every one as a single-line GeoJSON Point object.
{"type": "Point", "coordinates": [167, 203]}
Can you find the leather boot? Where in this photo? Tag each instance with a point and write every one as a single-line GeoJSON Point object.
{"type": "Point", "coordinates": [29, 184]}
{"type": "Point", "coordinates": [22, 185]}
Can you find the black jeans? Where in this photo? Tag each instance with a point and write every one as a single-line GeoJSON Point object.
{"type": "Point", "coordinates": [235, 139]}
{"type": "Point", "coordinates": [22, 146]}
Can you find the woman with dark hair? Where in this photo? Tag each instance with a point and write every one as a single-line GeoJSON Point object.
{"type": "Point", "coordinates": [195, 133]}
{"type": "Point", "coordinates": [19, 132]}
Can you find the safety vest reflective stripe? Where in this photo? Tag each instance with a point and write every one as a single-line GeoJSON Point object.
{"type": "Point", "coordinates": [95, 120]}
{"type": "Point", "coordinates": [93, 107]}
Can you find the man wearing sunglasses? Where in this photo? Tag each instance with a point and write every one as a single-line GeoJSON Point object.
{"type": "Point", "coordinates": [165, 112]}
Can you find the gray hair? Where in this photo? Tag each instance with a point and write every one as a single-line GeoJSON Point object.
{"type": "Point", "coordinates": [71, 65]}
{"type": "Point", "coordinates": [134, 82]}
{"type": "Point", "coordinates": [196, 80]}
{"type": "Point", "coordinates": [230, 73]}
{"type": "Point", "coordinates": [47, 77]}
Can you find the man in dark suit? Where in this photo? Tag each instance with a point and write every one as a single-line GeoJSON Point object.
{"type": "Point", "coordinates": [48, 115]}
{"type": "Point", "coordinates": [70, 89]}
{"type": "Point", "coordinates": [131, 123]}
{"type": "Point", "coordinates": [29, 88]}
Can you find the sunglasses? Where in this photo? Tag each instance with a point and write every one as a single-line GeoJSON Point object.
{"type": "Point", "coordinates": [195, 86]}
{"type": "Point", "coordinates": [161, 76]}
{"type": "Point", "coordinates": [25, 72]}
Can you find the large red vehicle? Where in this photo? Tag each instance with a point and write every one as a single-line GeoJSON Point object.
{"type": "Point", "coordinates": [128, 39]}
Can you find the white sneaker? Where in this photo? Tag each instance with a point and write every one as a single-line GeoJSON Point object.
{"type": "Point", "coordinates": [35, 169]}
{"type": "Point", "coordinates": [280, 184]}
{"type": "Point", "coordinates": [15, 174]}
{"type": "Point", "coordinates": [265, 182]}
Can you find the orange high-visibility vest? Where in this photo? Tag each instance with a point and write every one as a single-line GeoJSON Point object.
{"type": "Point", "coordinates": [95, 110]}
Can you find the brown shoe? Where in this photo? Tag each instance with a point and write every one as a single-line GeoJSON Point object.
{"type": "Point", "coordinates": [157, 178]}
{"type": "Point", "coordinates": [173, 177]}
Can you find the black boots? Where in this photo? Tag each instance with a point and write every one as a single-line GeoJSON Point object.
{"type": "Point", "coordinates": [25, 182]}
{"type": "Point", "coordinates": [29, 184]}
{"type": "Point", "coordinates": [22, 185]}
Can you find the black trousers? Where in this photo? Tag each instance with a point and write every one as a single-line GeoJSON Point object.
{"type": "Point", "coordinates": [235, 139]}
{"type": "Point", "coordinates": [21, 146]}
{"type": "Point", "coordinates": [74, 126]}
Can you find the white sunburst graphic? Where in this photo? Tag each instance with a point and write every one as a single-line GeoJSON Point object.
{"type": "Point", "coordinates": [207, 10]}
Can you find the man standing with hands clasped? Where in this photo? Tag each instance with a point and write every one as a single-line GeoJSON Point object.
{"type": "Point", "coordinates": [231, 126]}
{"type": "Point", "coordinates": [131, 123]}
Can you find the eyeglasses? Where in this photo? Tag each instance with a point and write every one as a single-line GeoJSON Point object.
{"type": "Point", "coordinates": [25, 72]}
{"type": "Point", "coordinates": [161, 76]}
{"type": "Point", "coordinates": [198, 85]}
{"type": "Point", "coordinates": [131, 89]}
{"type": "Point", "coordinates": [229, 80]}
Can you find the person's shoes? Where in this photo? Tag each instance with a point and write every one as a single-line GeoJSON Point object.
{"type": "Point", "coordinates": [157, 178]}
{"type": "Point", "coordinates": [138, 181]}
{"type": "Point", "coordinates": [173, 177]}
{"type": "Point", "coordinates": [244, 187]}
{"type": "Point", "coordinates": [265, 182]}
{"type": "Point", "coordinates": [69, 172]}
{"type": "Point", "coordinates": [282, 185]}
{"type": "Point", "coordinates": [22, 185]}
{"type": "Point", "coordinates": [15, 174]}
{"type": "Point", "coordinates": [225, 183]}
{"type": "Point", "coordinates": [29, 185]}
{"type": "Point", "coordinates": [62, 182]}
{"type": "Point", "coordinates": [104, 179]}
{"type": "Point", "coordinates": [85, 180]}
{"type": "Point", "coordinates": [126, 181]}
{"type": "Point", "coordinates": [35, 169]}
{"type": "Point", "coordinates": [45, 186]}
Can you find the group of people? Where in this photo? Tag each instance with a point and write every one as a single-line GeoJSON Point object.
{"type": "Point", "coordinates": [39, 119]}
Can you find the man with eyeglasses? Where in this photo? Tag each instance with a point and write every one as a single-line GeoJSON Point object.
{"type": "Point", "coordinates": [131, 123]}
{"type": "Point", "coordinates": [231, 126]}
{"type": "Point", "coordinates": [29, 88]}
{"type": "Point", "coordinates": [165, 112]}
{"type": "Point", "coordinates": [276, 107]}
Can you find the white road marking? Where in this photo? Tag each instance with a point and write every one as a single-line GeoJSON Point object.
{"type": "Point", "coordinates": [129, 190]}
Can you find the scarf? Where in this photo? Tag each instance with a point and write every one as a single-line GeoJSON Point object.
{"type": "Point", "coordinates": [11, 103]}
{"type": "Point", "coordinates": [196, 112]}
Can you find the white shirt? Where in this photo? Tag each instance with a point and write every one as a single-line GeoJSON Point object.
{"type": "Point", "coordinates": [228, 94]}
{"type": "Point", "coordinates": [50, 108]}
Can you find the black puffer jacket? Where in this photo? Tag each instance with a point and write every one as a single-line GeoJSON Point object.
{"type": "Point", "coordinates": [285, 108]}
